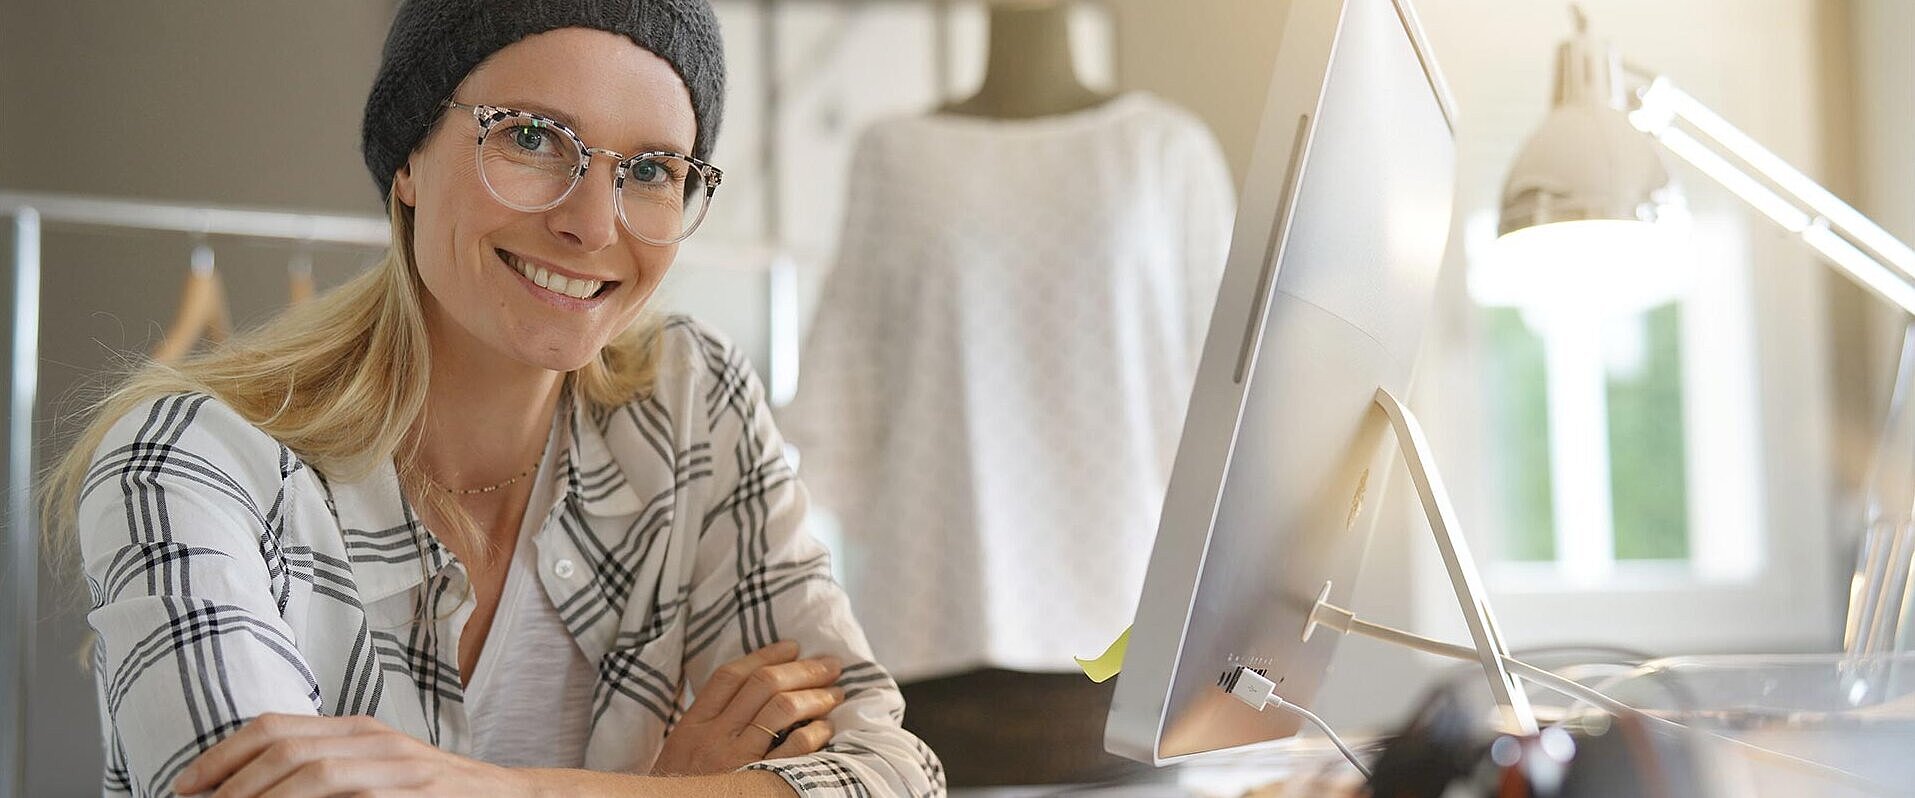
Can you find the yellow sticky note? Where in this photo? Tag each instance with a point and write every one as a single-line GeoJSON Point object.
{"type": "Point", "coordinates": [1101, 669]}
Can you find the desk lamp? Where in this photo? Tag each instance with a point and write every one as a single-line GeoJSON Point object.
{"type": "Point", "coordinates": [1590, 212]}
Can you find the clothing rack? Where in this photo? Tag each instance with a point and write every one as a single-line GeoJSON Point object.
{"type": "Point", "coordinates": [19, 577]}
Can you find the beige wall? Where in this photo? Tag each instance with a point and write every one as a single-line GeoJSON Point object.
{"type": "Point", "coordinates": [1211, 56]}
{"type": "Point", "coordinates": [216, 101]}
{"type": "Point", "coordinates": [1884, 105]}
{"type": "Point", "coordinates": [1881, 142]}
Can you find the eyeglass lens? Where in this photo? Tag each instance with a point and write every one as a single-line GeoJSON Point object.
{"type": "Point", "coordinates": [530, 166]}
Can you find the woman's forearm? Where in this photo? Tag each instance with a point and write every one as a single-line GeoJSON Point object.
{"type": "Point", "coordinates": [743, 784]}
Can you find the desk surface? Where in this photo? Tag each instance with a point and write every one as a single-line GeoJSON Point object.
{"type": "Point", "coordinates": [1301, 768]}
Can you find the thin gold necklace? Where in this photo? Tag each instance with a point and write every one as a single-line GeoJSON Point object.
{"type": "Point", "coordinates": [487, 489]}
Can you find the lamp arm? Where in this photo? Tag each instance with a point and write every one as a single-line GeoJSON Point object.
{"type": "Point", "coordinates": [1857, 245]}
{"type": "Point", "coordinates": [1851, 241]}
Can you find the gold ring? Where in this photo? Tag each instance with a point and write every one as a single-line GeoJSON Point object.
{"type": "Point", "coordinates": [774, 735]}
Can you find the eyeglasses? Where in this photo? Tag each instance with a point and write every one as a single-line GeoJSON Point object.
{"type": "Point", "coordinates": [532, 163]}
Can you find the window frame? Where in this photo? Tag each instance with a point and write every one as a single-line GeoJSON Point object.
{"type": "Point", "coordinates": [1723, 599]}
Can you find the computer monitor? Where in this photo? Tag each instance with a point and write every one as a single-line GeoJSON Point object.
{"type": "Point", "coordinates": [1339, 236]}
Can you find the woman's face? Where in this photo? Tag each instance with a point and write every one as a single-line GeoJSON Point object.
{"type": "Point", "coordinates": [469, 248]}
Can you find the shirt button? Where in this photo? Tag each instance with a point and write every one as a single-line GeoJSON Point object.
{"type": "Point", "coordinates": [564, 569]}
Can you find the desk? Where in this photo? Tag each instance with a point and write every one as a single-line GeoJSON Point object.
{"type": "Point", "coordinates": [1290, 768]}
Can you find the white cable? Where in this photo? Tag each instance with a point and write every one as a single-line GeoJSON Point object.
{"type": "Point", "coordinates": [1539, 676]}
{"type": "Point", "coordinates": [1258, 691]}
{"type": "Point", "coordinates": [1325, 728]}
{"type": "Point", "coordinates": [1346, 621]}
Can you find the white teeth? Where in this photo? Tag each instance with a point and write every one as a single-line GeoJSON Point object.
{"type": "Point", "coordinates": [558, 284]}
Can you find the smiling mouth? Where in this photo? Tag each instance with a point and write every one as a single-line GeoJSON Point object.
{"type": "Point", "coordinates": [555, 283]}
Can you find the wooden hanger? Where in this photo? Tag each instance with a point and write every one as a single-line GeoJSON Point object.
{"type": "Point", "coordinates": [1029, 70]}
{"type": "Point", "coordinates": [202, 313]}
{"type": "Point", "coordinates": [299, 275]}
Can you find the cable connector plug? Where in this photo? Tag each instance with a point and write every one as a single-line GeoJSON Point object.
{"type": "Point", "coordinates": [1251, 686]}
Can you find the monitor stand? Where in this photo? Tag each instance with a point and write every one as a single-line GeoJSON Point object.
{"type": "Point", "coordinates": [1490, 650]}
{"type": "Point", "coordinates": [1499, 667]}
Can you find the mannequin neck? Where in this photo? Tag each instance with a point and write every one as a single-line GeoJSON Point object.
{"type": "Point", "coordinates": [1029, 70]}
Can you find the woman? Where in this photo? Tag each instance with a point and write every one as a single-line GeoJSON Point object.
{"type": "Point", "coordinates": [473, 523]}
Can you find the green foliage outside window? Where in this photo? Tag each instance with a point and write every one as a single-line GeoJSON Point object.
{"type": "Point", "coordinates": [1518, 423]}
{"type": "Point", "coordinates": [1648, 471]}
{"type": "Point", "coordinates": [1647, 452]}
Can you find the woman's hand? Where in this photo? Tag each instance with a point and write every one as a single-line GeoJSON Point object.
{"type": "Point", "coordinates": [765, 705]}
{"type": "Point", "coordinates": [293, 756]}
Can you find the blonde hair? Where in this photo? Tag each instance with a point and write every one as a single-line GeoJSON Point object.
{"type": "Point", "coordinates": [340, 380]}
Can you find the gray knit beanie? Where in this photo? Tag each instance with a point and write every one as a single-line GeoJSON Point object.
{"type": "Point", "coordinates": [434, 43]}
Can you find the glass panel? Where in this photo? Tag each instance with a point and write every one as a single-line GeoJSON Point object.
{"type": "Point", "coordinates": [1518, 421]}
{"type": "Point", "coordinates": [663, 197]}
{"type": "Point", "coordinates": [527, 164]}
{"type": "Point", "coordinates": [1647, 453]}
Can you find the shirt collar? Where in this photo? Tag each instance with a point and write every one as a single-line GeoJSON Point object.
{"type": "Point", "coordinates": [392, 552]}
{"type": "Point", "coordinates": [593, 477]}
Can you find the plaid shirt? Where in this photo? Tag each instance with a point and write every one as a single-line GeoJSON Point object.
{"type": "Point", "coordinates": [229, 579]}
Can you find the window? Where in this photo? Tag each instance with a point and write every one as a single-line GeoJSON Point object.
{"type": "Point", "coordinates": [1557, 503]}
{"type": "Point", "coordinates": [1643, 477]}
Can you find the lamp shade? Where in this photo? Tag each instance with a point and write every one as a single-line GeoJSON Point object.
{"type": "Point", "coordinates": [1586, 162]}
{"type": "Point", "coordinates": [1590, 216]}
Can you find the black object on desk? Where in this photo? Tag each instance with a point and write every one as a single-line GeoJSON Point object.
{"type": "Point", "coordinates": [1445, 748]}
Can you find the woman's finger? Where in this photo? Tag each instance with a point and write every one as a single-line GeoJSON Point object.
{"type": "Point", "coordinates": [347, 777]}
{"type": "Point", "coordinates": [387, 792]}
{"type": "Point", "coordinates": [227, 756]}
{"type": "Point", "coordinates": [769, 681]}
{"type": "Point", "coordinates": [275, 763]}
{"type": "Point", "coordinates": [793, 707]}
{"type": "Point", "coordinates": [807, 739]}
{"type": "Point", "coordinates": [730, 677]}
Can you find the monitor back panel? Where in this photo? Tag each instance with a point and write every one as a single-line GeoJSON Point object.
{"type": "Point", "coordinates": [1339, 238]}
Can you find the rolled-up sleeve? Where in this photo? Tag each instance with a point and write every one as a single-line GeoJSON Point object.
{"type": "Point", "coordinates": [177, 530]}
{"type": "Point", "coordinates": [760, 578]}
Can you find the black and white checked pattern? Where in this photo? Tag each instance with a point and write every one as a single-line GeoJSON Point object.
{"type": "Point", "coordinates": [229, 579]}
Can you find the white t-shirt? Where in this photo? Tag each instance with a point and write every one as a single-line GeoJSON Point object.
{"type": "Point", "coordinates": [995, 381]}
{"type": "Point", "coordinates": [530, 697]}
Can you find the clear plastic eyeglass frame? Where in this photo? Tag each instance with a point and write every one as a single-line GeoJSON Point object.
{"type": "Point", "coordinates": [489, 116]}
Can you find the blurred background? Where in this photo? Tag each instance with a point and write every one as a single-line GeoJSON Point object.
{"type": "Point", "coordinates": [1740, 415]}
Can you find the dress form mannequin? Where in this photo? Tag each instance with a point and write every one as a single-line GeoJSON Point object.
{"type": "Point", "coordinates": [1084, 197]}
{"type": "Point", "coordinates": [1028, 71]}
